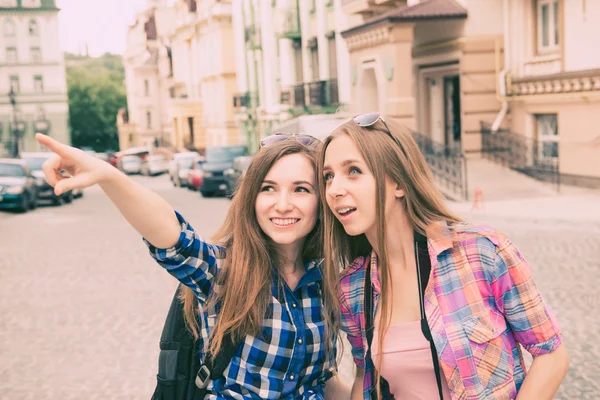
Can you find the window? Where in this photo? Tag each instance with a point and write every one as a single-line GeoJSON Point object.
{"type": "Point", "coordinates": [14, 83]}
{"type": "Point", "coordinates": [314, 63]}
{"type": "Point", "coordinates": [34, 28]}
{"type": "Point", "coordinates": [148, 120]}
{"type": "Point", "coordinates": [547, 26]}
{"type": "Point", "coordinates": [547, 135]}
{"type": "Point", "coordinates": [11, 55]}
{"type": "Point", "coordinates": [8, 3]}
{"type": "Point", "coordinates": [31, 3]}
{"type": "Point", "coordinates": [9, 28]}
{"type": "Point", "coordinates": [146, 88]}
{"type": "Point", "coordinates": [36, 55]}
{"type": "Point", "coordinates": [38, 84]}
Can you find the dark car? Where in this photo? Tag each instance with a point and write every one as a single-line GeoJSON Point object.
{"type": "Point", "coordinates": [218, 159]}
{"type": "Point", "coordinates": [233, 174]}
{"type": "Point", "coordinates": [17, 186]}
{"type": "Point", "coordinates": [44, 191]}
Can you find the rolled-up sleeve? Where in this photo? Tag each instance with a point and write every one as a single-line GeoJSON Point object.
{"type": "Point", "coordinates": [533, 323]}
{"type": "Point", "coordinates": [192, 261]}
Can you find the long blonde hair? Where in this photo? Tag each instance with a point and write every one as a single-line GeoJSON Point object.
{"type": "Point", "coordinates": [423, 203]}
{"type": "Point", "coordinates": [250, 255]}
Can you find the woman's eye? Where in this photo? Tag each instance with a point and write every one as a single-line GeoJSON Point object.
{"type": "Point", "coordinates": [302, 189]}
{"type": "Point", "coordinates": [267, 189]}
{"type": "Point", "coordinates": [328, 177]}
{"type": "Point", "coordinates": [355, 171]}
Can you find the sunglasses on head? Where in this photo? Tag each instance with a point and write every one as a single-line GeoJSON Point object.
{"type": "Point", "coordinates": [369, 119]}
{"type": "Point", "coordinates": [305, 140]}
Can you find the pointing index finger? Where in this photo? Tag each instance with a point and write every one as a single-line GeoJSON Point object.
{"type": "Point", "coordinates": [52, 144]}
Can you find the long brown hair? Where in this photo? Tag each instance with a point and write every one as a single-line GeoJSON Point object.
{"type": "Point", "coordinates": [423, 203]}
{"type": "Point", "coordinates": [244, 282]}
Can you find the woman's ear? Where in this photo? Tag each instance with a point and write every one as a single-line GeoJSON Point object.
{"type": "Point", "coordinates": [399, 192]}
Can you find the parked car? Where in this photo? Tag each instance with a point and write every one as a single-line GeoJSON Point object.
{"type": "Point", "coordinates": [218, 159]}
{"type": "Point", "coordinates": [154, 165]}
{"type": "Point", "coordinates": [180, 165]}
{"type": "Point", "coordinates": [103, 156]}
{"type": "Point", "coordinates": [233, 174]}
{"type": "Point", "coordinates": [44, 190]}
{"type": "Point", "coordinates": [195, 175]}
{"type": "Point", "coordinates": [130, 165]}
{"type": "Point", "coordinates": [17, 186]}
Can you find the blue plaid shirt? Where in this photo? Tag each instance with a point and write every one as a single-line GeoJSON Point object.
{"type": "Point", "coordinates": [287, 361]}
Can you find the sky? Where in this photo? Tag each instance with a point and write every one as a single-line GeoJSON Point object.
{"type": "Point", "coordinates": [102, 24]}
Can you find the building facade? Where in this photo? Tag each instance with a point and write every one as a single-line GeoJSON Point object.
{"type": "Point", "coordinates": [147, 121]}
{"type": "Point", "coordinates": [291, 60]}
{"type": "Point", "coordinates": [177, 52]}
{"type": "Point", "coordinates": [551, 83]}
{"type": "Point", "coordinates": [33, 87]}
{"type": "Point", "coordinates": [458, 70]}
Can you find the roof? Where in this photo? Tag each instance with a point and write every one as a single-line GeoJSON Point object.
{"type": "Point", "coordinates": [423, 11]}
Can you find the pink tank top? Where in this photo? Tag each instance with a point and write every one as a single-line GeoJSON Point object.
{"type": "Point", "coordinates": [407, 363]}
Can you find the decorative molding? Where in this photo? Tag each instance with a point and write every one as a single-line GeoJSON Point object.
{"type": "Point", "coordinates": [566, 82]}
{"type": "Point", "coordinates": [370, 38]}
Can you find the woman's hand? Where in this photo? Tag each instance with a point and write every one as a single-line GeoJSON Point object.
{"type": "Point", "coordinates": [145, 210]}
{"type": "Point", "coordinates": [84, 169]}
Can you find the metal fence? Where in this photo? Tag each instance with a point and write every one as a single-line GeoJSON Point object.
{"type": "Point", "coordinates": [448, 165]}
{"type": "Point", "coordinates": [520, 153]}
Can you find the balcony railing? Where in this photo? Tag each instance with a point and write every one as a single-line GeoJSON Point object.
{"type": "Point", "coordinates": [241, 100]}
{"type": "Point", "coordinates": [288, 23]}
{"type": "Point", "coordinates": [519, 153]}
{"type": "Point", "coordinates": [323, 93]}
{"type": "Point", "coordinates": [448, 165]}
{"type": "Point", "coordinates": [299, 95]}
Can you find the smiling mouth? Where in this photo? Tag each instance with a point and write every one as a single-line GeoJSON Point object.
{"type": "Point", "coordinates": [345, 211]}
{"type": "Point", "coordinates": [284, 222]}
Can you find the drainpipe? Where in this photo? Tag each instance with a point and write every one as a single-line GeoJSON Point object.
{"type": "Point", "coordinates": [502, 75]}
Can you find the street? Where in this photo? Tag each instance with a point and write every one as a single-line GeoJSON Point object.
{"type": "Point", "coordinates": [83, 303]}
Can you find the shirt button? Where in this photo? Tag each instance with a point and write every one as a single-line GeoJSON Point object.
{"type": "Point", "coordinates": [300, 341]}
{"type": "Point", "coordinates": [291, 377]}
{"type": "Point", "coordinates": [294, 305]}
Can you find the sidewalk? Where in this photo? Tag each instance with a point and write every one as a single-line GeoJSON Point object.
{"type": "Point", "coordinates": [572, 205]}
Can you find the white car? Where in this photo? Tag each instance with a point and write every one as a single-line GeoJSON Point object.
{"type": "Point", "coordinates": [131, 164]}
{"type": "Point", "coordinates": [154, 165]}
{"type": "Point", "coordinates": [180, 166]}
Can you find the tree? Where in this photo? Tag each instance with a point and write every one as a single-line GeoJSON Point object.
{"type": "Point", "coordinates": [96, 93]}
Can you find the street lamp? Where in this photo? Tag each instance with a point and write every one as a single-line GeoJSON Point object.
{"type": "Point", "coordinates": [41, 124]}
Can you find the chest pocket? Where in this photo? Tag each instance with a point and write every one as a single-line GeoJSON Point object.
{"type": "Point", "coordinates": [491, 349]}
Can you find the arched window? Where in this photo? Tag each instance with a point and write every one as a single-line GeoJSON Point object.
{"type": "Point", "coordinates": [9, 28]}
{"type": "Point", "coordinates": [34, 28]}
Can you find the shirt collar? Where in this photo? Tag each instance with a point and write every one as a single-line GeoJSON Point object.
{"type": "Point", "coordinates": [440, 239]}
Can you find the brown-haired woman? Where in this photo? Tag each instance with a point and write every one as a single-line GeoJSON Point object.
{"type": "Point", "coordinates": [455, 300]}
{"type": "Point", "coordinates": [262, 281]}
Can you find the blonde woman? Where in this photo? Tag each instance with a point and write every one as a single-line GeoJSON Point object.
{"type": "Point", "coordinates": [433, 308]}
{"type": "Point", "coordinates": [261, 281]}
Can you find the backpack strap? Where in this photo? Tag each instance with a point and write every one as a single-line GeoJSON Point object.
{"type": "Point", "coordinates": [423, 271]}
{"type": "Point", "coordinates": [213, 369]}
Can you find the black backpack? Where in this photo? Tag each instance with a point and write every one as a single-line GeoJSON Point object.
{"type": "Point", "coordinates": [180, 374]}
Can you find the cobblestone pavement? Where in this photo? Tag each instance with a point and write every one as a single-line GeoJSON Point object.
{"type": "Point", "coordinates": [83, 304]}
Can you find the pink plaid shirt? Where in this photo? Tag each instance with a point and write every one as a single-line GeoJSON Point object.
{"type": "Point", "coordinates": [480, 302]}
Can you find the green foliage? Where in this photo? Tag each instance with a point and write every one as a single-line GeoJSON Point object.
{"type": "Point", "coordinates": [96, 93]}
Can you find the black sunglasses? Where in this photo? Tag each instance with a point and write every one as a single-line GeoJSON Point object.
{"type": "Point", "coordinates": [369, 119]}
{"type": "Point", "coordinates": [305, 140]}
